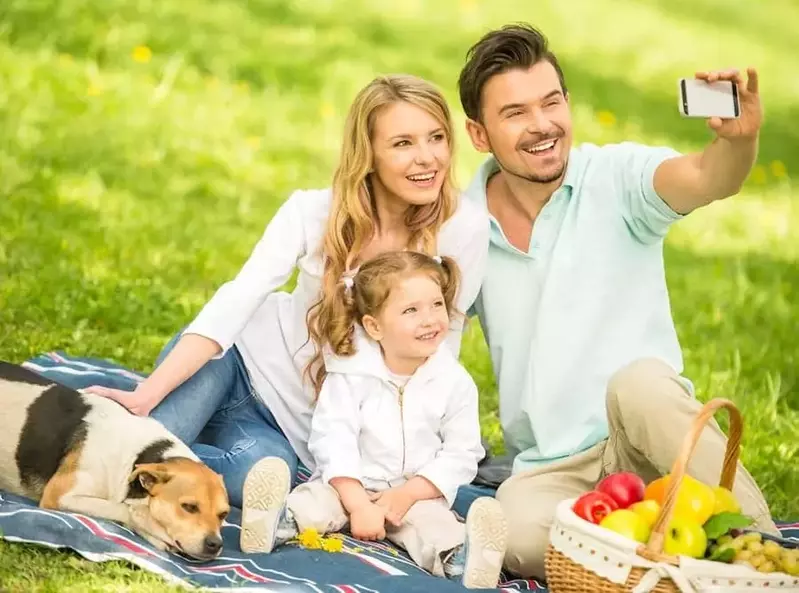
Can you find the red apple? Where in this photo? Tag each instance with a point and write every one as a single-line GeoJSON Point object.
{"type": "Point", "coordinates": [594, 506]}
{"type": "Point", "coordinates": [625, 488]}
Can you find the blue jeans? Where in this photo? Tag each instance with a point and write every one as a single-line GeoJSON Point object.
{"type": "Point", "coordinates": [467, 495]}
{"type": "Point", "coordinates": [217, 413]}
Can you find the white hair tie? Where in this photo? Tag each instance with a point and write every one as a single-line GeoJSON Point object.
{"type": "Point", "coordinates": [437, 259]}
{"type": "Point", "coordinates": [348, 283]}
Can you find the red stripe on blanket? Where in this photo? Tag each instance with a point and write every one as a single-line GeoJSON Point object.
{"type": "Point", "coordinates": [98, 530]}
{"type": "Point", "coordinates": [238, 569]}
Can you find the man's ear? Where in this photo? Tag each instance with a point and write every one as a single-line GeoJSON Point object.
{"type": "Point", "coordinates": [478, 135]}
{"type": "Point", "coordinates": [150, 474]}
{"type": "Point", "coordinates": [372, 327]}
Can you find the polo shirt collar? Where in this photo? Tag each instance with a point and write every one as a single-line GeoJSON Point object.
{"type": "Point", "coordinates": [491, 166]}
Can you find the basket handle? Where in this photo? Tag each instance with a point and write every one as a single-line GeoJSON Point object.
{"type": "Point", "coordinates": [656, 540]}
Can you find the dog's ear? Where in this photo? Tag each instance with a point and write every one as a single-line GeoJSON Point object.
{"type": "Point", "coordinates": [150, 474]}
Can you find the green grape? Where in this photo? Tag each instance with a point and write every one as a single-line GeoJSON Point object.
{"type": "Point", "coordinates": [772, 549]}
{"type": "Point", "coordinates": [743, 555]}
{"type": "Point", "coordinates": [755, 547]}
{"type": "Point", "coordinates": [757, 559]}
{"type": "Point", "coordinates": [737, 544]}
{"type": "Point", "coordinates": [724, 539]}
{"type": "Point", "coordinates": [790, 563]}
{"type": "Point", "coordinates": [766, 566]}
{"type": "Point", "coordinates": [752, 536]}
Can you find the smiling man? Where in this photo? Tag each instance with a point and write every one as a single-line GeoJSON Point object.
{"type": "Point", "coordinates": [574, 305]}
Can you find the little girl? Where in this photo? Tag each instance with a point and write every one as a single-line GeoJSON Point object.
{"type": "Point", "coordinates": [395, 431]}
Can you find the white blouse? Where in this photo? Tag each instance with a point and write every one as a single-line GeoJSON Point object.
{"type": "Point", "coordinates": [268, 326]}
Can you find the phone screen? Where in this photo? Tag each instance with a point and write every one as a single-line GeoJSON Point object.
{"type": "Point", "coordinates": [700, 99]}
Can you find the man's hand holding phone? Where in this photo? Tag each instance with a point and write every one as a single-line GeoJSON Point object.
{"type": "Point", "coordinates": [731, 104]}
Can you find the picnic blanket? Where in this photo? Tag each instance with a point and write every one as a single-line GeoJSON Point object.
{"type": "Point", "coordinates": [360, 567]}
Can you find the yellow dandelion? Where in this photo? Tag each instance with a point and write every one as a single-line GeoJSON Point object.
{"type": "Point", "coordinates": [778, 169]}
{"type": "Point", "coordinates": [243, 86]}
{"type": "Point", "coordinates": [212, 82]}
{"type": "Point", "coordinates": [758, 174]}
{"type": "Point", "coordinates": [332, 545]}
{"type": "Point", "coordinates": [606, 118]}
{"type": "Point", "coordinates": [65, 59]}
{"type": "Point", "coordinates": [468, 5]}
{"type": "Point", "coordinates": [310, 539]}
{"type": "Point", "coordinates": [327, 110]}
{"type": "Point", "coordinates": [254, 142]}
{"type": "Point", "coordinates": [94, 89]}
{"type": "Point", "coordinates": [142, 54]}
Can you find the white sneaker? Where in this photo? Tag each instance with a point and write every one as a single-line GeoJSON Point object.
{"type": "Point", "coordinates": [266, 489]}
{"type": "Point", "coordinates": [485, 545]}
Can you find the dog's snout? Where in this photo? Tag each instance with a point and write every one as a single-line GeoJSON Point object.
{"type": "Point", "coordinates": [212, 544]}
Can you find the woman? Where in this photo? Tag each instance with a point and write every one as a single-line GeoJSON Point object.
{"type": "Point", "coordinates": [238, 383]}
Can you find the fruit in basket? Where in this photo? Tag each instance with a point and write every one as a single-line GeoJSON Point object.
{"type": "Point", "coordinates": [725, 501]}
{"type": "Point", "coordinates": [686, 537]}
{"type": "Point", "coordinates": [763, 555]}
{"type": "Point", "coordinates": [695, 500]}
{"type": "Point", "coordinates": [648, 510]}
{"type": "Point", "coordinates": [625, 488]}
{"type": "Point", "coordinates": [594, 506]}
{"type": "Point", "coordinates": [628, 524]}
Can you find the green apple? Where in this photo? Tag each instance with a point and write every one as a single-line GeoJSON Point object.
{"type": "Point", "coordinates": [686, 537]}
{"type": "Point", "coordinates": [627, 523]}
{"type": "Point", "coordinates": [649, 510]}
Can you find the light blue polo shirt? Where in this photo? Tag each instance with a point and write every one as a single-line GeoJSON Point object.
{"type": "Point", "coordinates": [587, 297]}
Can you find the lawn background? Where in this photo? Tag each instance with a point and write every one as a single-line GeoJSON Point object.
{"type": "Point", "coordinates": [145, 144]}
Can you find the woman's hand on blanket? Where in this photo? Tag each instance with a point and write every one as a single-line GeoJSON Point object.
{"type": "Point", "coordinates": [368, 522]}
{"type": "Point", "coordinates": [135, 401]}
{"type": "Point", "coordinates": [396, 502]}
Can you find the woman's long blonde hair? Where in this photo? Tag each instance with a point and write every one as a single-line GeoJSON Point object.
{"type": "Point", "coordinates": [353, 215]}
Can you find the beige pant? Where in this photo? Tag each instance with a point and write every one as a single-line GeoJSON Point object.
{"type": "Point", "coordinates": [649, 414]}
{"type": "Point", "coordinates": [429, 529]}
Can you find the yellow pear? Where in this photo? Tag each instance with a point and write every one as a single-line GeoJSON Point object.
{"type": "Point", "coordinates": [725, 501]}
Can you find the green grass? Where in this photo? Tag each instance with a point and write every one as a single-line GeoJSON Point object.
{"type": "Point", "coordinates": [129, 190]}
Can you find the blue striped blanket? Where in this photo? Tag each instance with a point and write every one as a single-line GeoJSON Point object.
{"type": "Point", "coordinates": [360, 567]}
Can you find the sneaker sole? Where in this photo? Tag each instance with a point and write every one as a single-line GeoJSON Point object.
{"type": "Point", "coordinates": [487, 533]}
{"type": "Point", "coordinates": [265, 491]}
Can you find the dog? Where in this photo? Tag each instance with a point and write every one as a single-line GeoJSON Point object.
{"type": "Point", "coordinates": [84, 453]}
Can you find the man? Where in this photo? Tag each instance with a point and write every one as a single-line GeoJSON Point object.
{"type": "Point", "coordinates": [574, 305]}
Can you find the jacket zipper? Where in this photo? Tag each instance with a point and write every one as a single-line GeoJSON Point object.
{"type": "Point", "coordinates": [402, 425]}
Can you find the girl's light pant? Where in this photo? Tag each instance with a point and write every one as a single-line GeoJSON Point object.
{"type": "Point", "coordinates": [429, 529]}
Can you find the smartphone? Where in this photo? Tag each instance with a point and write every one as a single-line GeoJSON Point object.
{"type": "Point", "coordinates": [699, 98]}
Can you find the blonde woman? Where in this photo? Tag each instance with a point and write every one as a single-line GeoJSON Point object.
{"type": "Point", "coordinates": [238, 384]}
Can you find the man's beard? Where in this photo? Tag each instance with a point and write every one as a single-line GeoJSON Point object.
{"type": "Point", "coordinates": [532, 177]}
{"type": "Point", "coordinates": [526, 175]}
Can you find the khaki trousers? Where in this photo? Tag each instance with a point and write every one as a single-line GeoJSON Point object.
{"type": "Point", "coordinates": [429, 529]}
{"type": "Point", "coordinates": [649, 413]}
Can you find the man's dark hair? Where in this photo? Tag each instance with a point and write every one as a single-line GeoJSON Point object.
{"type": "Point", "coordinates": [513, 46]}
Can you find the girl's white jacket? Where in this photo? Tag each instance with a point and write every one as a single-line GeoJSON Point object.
{"type": "Point", "coordinates": [368, 428]}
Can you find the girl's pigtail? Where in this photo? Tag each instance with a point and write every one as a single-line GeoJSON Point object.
{"type": "Point", "coordinates": [450, 283]}
{"type": "Point", "coordinates": [339, 324]}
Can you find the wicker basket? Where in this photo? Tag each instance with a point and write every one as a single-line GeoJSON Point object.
{"type": "Point", "coordinates": [585, 558]}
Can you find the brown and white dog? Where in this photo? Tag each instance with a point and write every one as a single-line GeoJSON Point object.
{"type": "Point", "coordinates": [84, 453]}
